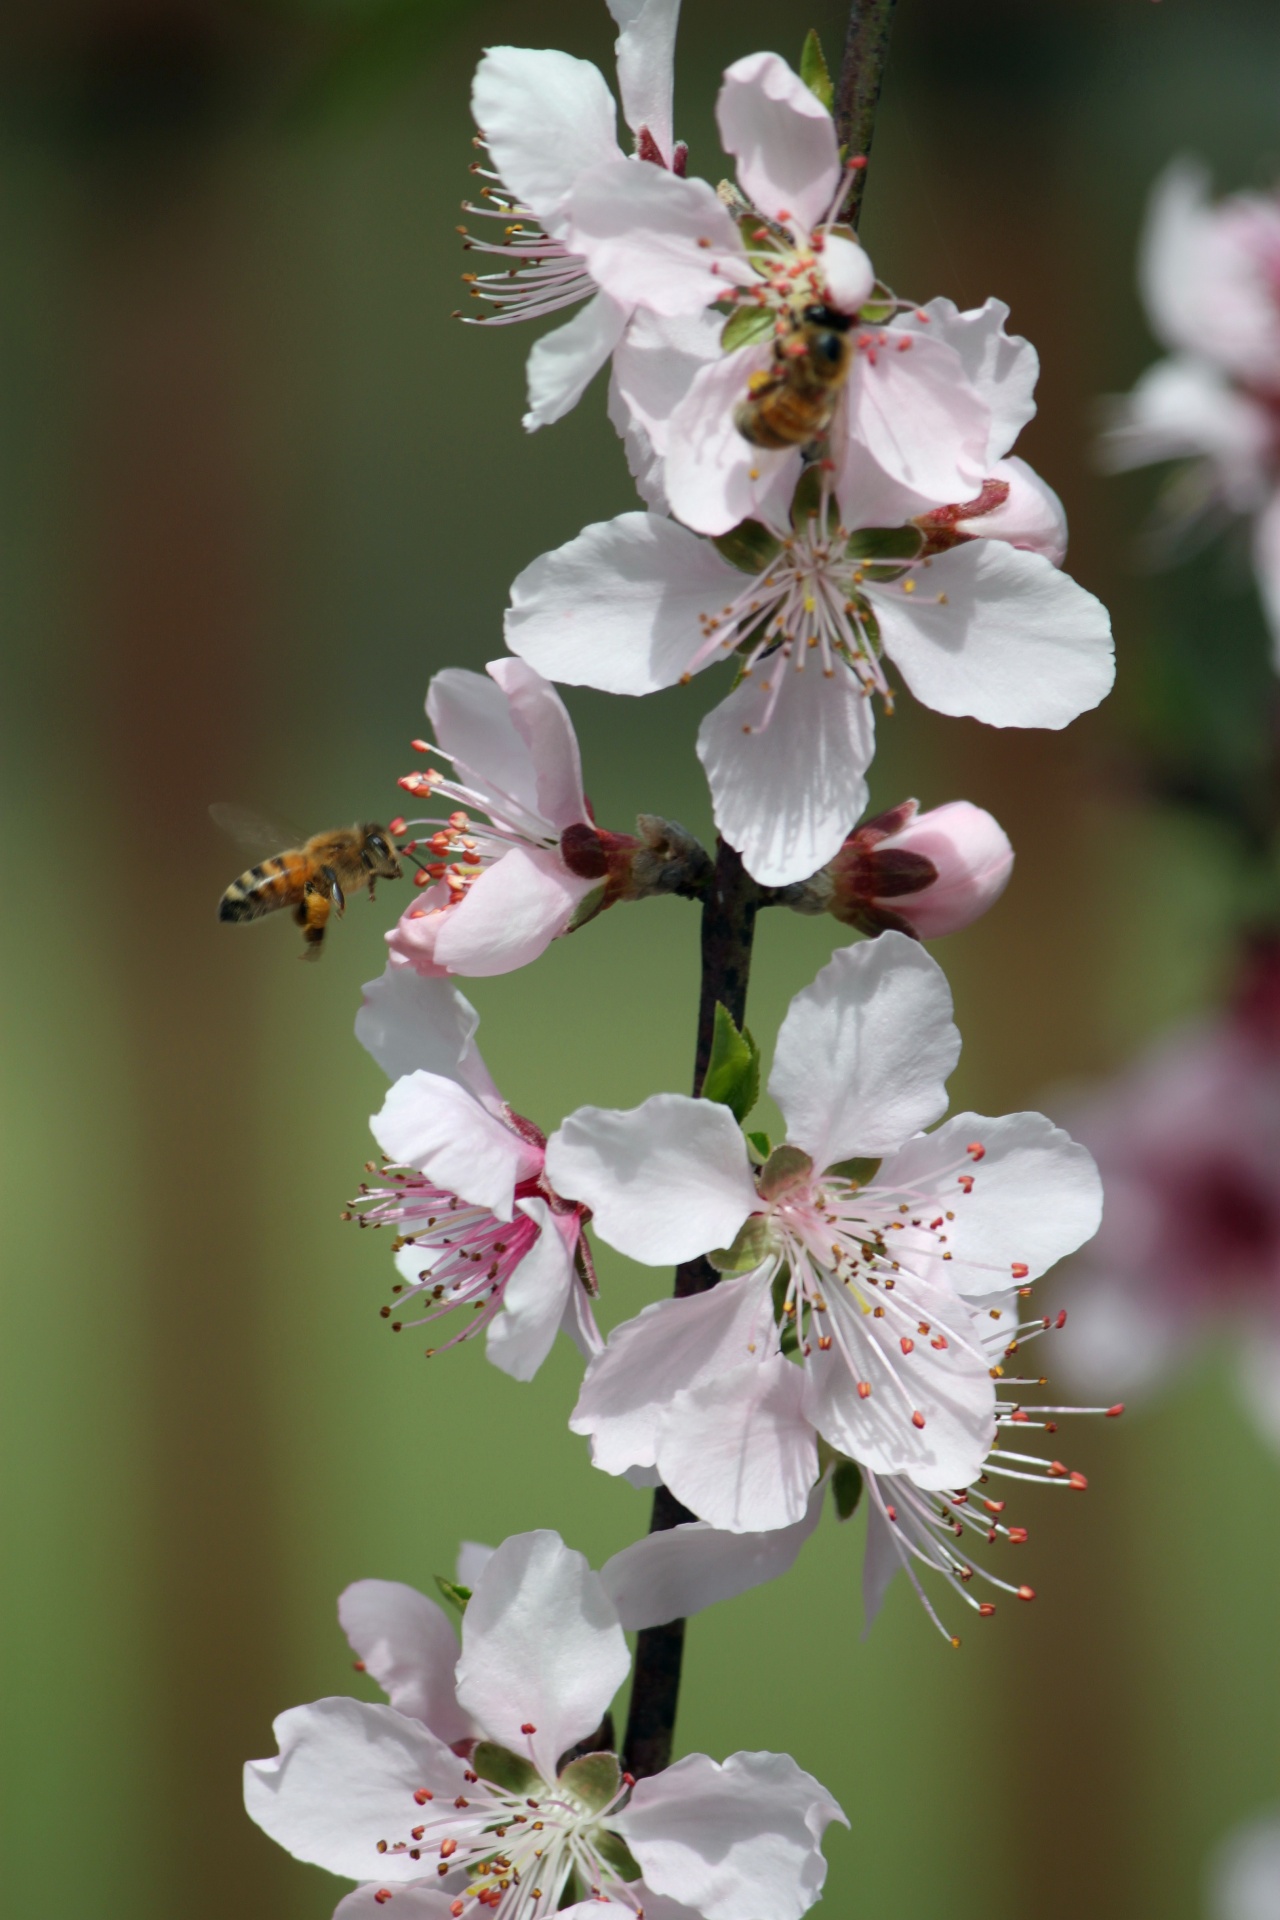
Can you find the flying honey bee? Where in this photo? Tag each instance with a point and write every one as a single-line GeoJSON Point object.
{"type": "Point", "coordinates": [313, 879]}
{"type": "Point", "coordinates": [791, 402]}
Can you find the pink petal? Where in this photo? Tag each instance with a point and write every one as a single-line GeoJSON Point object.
{"type": "Point", "coordinates": [714, 478]}
{"type": "Point", "coordinates": [970, 851]}
{"type": "Point", "coordinates": [654, 240]}
{"type": "Point", "coordinates": [547, 119]}
{"type": "Point", "coordinates": [666, 1576]}
{"type": "Point", "coordinates": [472, 721]}
{"type": "Point", "coordinates": [645, 52]}
{"type": "Point", "coordinates": [409, 1647]}
{"type": "Point", "coordinates": [533, 1302]}
{"type": "Point", "coordinates": [1001, 369]}
{"type": "Point", "coordinates": [565, 361]}
{"type": "Point", "coordinates": [409, 1021]}
{"type": "Point", "coordinates": [542, 721]}
{"type": "Point", "coordinates": [510, 914]}
{"type": "Point", "coordinates": [782, 138]}
{"type": "Point", "coordinates": [913, 410]}
{"type": "Point", "coordinates": [738, 1449]}
{"type": "Point", "coordinates": [1031, 517]}
{"type": "Point", "coordinates": [432, 1124]}
{"type": "Point", "coordinates": [653, 369]}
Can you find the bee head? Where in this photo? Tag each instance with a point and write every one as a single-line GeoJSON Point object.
{"type": "Point", "coordinates": [821, 315]}
{"type": "Point", "coordinates": [376, 853]}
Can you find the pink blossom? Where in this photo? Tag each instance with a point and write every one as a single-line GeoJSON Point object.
{"type": "Point", "coordinates": [1188, 1139]}
{"type": "Point", "coordinates": [922, 873]}
{"type": "Point", "coordinates": [477, 1224]}
{"type": "Point", "coordinates": [1210, 279]}
{"type": "Point", "coordinates": [462, 1794]}
{"type": "Point", "coordinates": [546, 119]}
{"type": "Point", "coordinates": [872, 1340]}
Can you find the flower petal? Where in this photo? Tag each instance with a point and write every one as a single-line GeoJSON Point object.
{"type": "Point", "coordinates": [864, 1053]}
{"type": "Point", "coordinates": [370, 1902]}
{"type": "Point", "coordinates": [714, 478]}
{"type": "Point", "coordinates": [788, 786]}
{"type": "Point", "coordinates": [970, 852]}
{"type": "Point", "coordinates": [473, 724]}
{"type": "Point", "coordinates": [1031, 516]}
{"type": "Point", "coordinates": [409, 1021]}
{"type": "Point", "coordinates": [345, 1778]}
{"type": "Point", "coordinates": [908, 403]}
{"type": "Point", "coordinates": [408, 1646]}
{"type": "Point", "coordinates": [542, 721]}
{"type": "Point", "coordinates": [1001, 368]}
{"type": "Point", "coordinates": [737, 1840]}
{"type": "Point", "coordinates": [669, 1346]}
{"type": "Point", "coordinates": [1182, 407]}
{"type": "Point", "coordinates": [547, 119]}
{"type": "Point", "coordinates": [1258, 1376]}
{"type": "Point", "coordinates": [1035, 1197]}
{"type": "Point", "coordinates": [739, 1451]}
{"type": "Point", "coordinates": [666, 1181]}
{"type": "Point", "coordinates": [646, 51]}
{"type": "Point", "coordinates": [511, 914]}
{"type": "Point", "coordinates": [541, 1647]}
{"type": "Point", "coordinates": [667, 1576]}
{"type": "Point", "coordinates": [782, 137]}
{"type": "Point", "coordinates": [533, 1301]}
{"type": "Point", "coordinates": [1000, 635]}
{"type": "Point", "coordinates": [565, 361]}
{"type": "Point", "coordinates": [652, 239]}
{"type": "Point", "coordinates": [429, 1123]}
{"type": "Point", "coordinates": [1266, 567]}
{"type": "Point", "coordinates": [618, 607]}
{"type": "Point", "coordinates": [473, 1558]}
{"type": "Point", "coordinates": [653, 368]}
{"type": "Point", "coordinates": [880, 1559]}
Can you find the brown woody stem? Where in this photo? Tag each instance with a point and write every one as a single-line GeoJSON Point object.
{"type": "Point", "coordinates": [866, 54]}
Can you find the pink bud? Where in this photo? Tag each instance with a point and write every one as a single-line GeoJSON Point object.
{"type": "Point", "coordinates": [923, 873]}
{"type": "Point", "coordinates": [1030, 516]}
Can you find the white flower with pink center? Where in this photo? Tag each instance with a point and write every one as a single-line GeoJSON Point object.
{"type": "Point", "coordinates": [465, 1796]}
{"type": "Point", "coordinates": [812, 611]}
{"type": "Point", "coordinates": [849, 1311]}
{"type": "Point", "coordinates": [500, 888]}
{"type": "Point", "coordinates": [465, 1190]}
{"type": "Point", "coordinates": [1210, 281]}
{"type": "Point", "coordinates": [546, 119]}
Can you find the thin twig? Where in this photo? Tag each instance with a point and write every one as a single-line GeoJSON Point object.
{"type": "Point", "coordinates": [866, 54]}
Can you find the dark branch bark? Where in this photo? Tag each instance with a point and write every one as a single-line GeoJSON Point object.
{"type": "Point", "coordinates": [729, 913]}
{"type": "Point", "coordinates": [866, 54]}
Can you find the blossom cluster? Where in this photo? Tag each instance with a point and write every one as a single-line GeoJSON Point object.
{"type": "Point", "coordinates": [831, 507]}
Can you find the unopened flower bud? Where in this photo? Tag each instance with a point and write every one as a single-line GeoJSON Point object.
{"type": "Point", "coordinates": [919, 873]}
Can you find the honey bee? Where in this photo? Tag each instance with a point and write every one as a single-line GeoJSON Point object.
{"type": "Point", "coordinates": [791, 402]}
{"type": "Point", "coordinates": [313, 879]}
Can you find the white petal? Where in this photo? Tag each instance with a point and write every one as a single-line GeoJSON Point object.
{"type": "Point", "coordinates": [409, 1647]}
{"type": "Point", "coordinates": [669, 1346]}
{"type": "Point", "coordinates": [646, 49]}
{"type": "Point", "coordinates": [472, 722]}
{"type": "Point", "coordinates": [618, 607]}
{"type": "Point", "coordinates": [1182, 407]}
{"type": "Point", "coordinates": [473, 1558]}
{"type": "Point", "coordinates": [1244, 1873]}
{"type": "Point", "coordinates": [653, 369]}
{"type": "Point", "coordinates": [1031, 515]}
{"type": "Point", "coordinates": [344, 1779]}
{"type": "Point", "coordinates": [1015, 642]}
{"type": "Point", "coordinates": [737, 1840]}
{"type": "Point", "coordinates": [542, 720]}
{"type": "Point", "coordinates": [1258, 1373]}
{"type": "Point", "coordinates": [739, 1451]}
{"type": "Point", "coordinates": [406, 1903]}
{"type": "Point", "coordinates": [666, 1181]}
{"type": "Point", "coordinates": [864, 1053]}
{"type": "Point", "coordinates": [782, 138]}
{"type": "Point", "coordinates": [667, 1576]}
{"type": "Point", "coordinates": [429, 1123]}
{"type": "Point", "coordinates": [654, 240]}
{"type": "Point", "coordinates": [409, 1021]}
{"type": "Point", "coordinates": [533, 1303]}
{"type": "Point", "coordinates": [565, 361]}
{"type": "Point", "coordinates": [786, 790]}
{"type": "Point", "coordinates": [547, 118]}
{"type": "Point", "coordinates": [541, 1646]}
{"type": "Point", "coordinates": [511, 914]}
{"type": "Point", "coordinates": [1206, 273]}
{"type": "Point", "coordinates": [654, 1907]}
{"type": "Point", "coordinates": [880, 1560]}
{"type": "Point", "coordinates": [714, 478]}
{"type": "Point", "coordinates": [1266, 565]}
{"type": "Point", "coordinates": [1035, 1198]}
{"type": "Point", "coordinates": [1001, 368]}
{"type": "Point", "coordinates": [913, 410]}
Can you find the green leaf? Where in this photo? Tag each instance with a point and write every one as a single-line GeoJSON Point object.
{"type": "Point", "coordinates": [846, 1488]}
{"type": "Point", "coordinates": [502, 1768]}
{"type": "Point", "coordinates": [806, 501]}
{"type": "Point", "coordinates": [749, 546]}
{"type": "Point", "coordinates": [456, 1596]}
{"type": "Point", "coordinates": [814, 70]}
{"type": "Point", "coordinates": [760, 1145]}
{"type": "Point", "coordinates": [733, 1071]}
{"type": "Point", "coordinates": [615, 1852]}
{"type": "Point", "coordinates": [745, 324]}
{"type": "Point", "coordinates": [594, 1780]}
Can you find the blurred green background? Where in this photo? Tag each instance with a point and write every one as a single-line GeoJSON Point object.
{"type": "Point", "coordinates": [255, 487]}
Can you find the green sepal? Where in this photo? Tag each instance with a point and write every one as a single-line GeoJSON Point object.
{"type": "Point", "coordinates": [846, 1488]}
{"type": "Point", "coordinates": [502, 1768]}
{"type": "Point", "coordinates": [733, 1071]}
{"type": "Point", "coordinates": [884, 543]}
{"type": "Point", "coordinates": [806, 501]}
{"type": "Point", "coordinates": [880, 305]}
{"type": "Point", "coordinates": [749, 546]}
{"type": "Point", "coordinates": [456, 1596]}
{"type": "Point", "coordinates": [789, 1340]}
{"type": "Point", "coordinates": [786, 1167]}
{"type": "Point", "coordinates": [757, 233]}
{"type": "Point", "coordinates": [615, 1853]}
{"type": "Point", "coordinates": [861, 1172]}
{"type": "Point", "coordinates": [760, 1146]}
{"type": "Point", "coordinates": [594, 1780]}
{"type": "Point", "coordinates": [747, 323]}
{"type": "Point", "coordinates": [755, 1242]}
{"type": "Point", "coordinates": [587, 908]}
{"type": "Point", "coordinates": [814, 70]}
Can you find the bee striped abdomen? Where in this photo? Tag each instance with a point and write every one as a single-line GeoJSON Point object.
{"type": "Point", "coordinates": [274, 883]}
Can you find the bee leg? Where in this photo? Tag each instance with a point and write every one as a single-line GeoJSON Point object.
{"type": "Point", "coordinates": [373, 881]}
{"type": "Point", "coordinates": [312, 915]}
{"type": "Point", "coordinates": [336, 895]}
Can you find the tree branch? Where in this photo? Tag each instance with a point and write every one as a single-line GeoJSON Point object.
{"type": "Point", "coordinates": [866, 54]}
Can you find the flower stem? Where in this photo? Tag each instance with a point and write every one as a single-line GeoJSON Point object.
{"type": "Point", "coordinates": [866, 54]}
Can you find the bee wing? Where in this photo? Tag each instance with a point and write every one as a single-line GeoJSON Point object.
{"type": "Point", "coordinates": [254, 833]}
